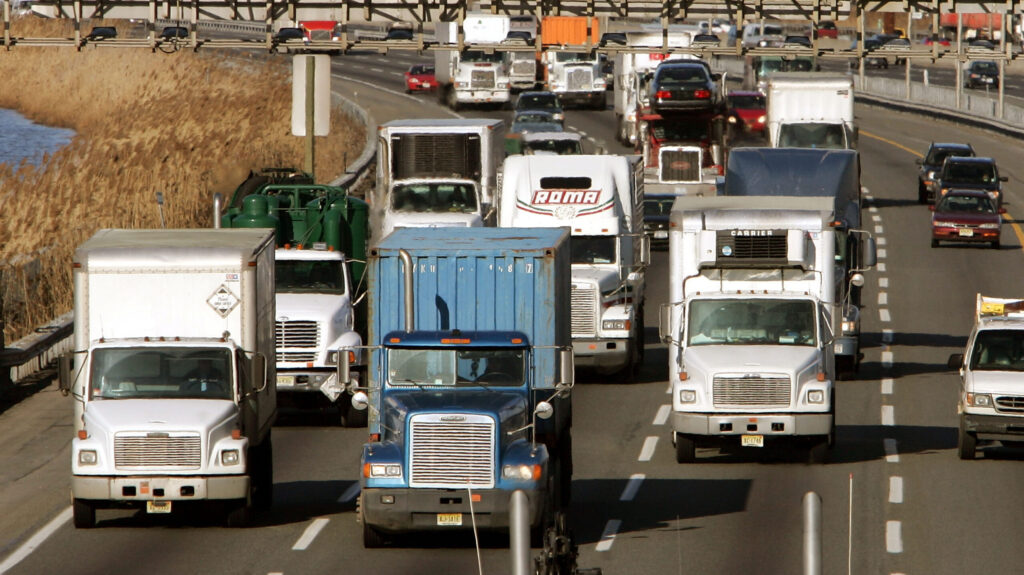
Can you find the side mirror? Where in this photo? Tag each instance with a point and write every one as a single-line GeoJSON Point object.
{"type": "Point", "coordinates": [870, 257]}
{"type": "Point", "coordinates": [567, 367]}
{"type": "Point", "coordinates": [544, 410]}
{"type": "Point", "coordinates": [344, 375]}
{"type": "Point", "coordinates": [645, 250]}
{"type": "Point", "coordinates": [665, 323]}
{"type": "Point", "coordinates": [360, 401]}
{"type": "Point", "coordinates": [259, 371]}
{"type": "Point", "coordinates": [857, 280]}
{"type": "Point", "coordinates": [64, 370]}
{"type": "Point", "coordinates": [956, 361]}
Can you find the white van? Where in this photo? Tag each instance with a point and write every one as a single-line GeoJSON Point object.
{"type": "Point", "coordinates": [762, 34]}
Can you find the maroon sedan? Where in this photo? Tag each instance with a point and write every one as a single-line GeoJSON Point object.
{"type": "Point", "coordinates": [746, 110]}
{"type": "Point", "coordinates": [420, 77]}
{"type": "Point", "coordinates": [966, 216]}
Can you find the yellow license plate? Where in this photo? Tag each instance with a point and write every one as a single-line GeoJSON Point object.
{"type": "Point", "coordinates": [966, 233]}
{"type": "Point", "coordinates": [285, 380]}
{"type": "Point", "coordinates": [752, 440]}
{"type": "Point", "coordinates": [452, 519]}
{"type": "Point", "coordinates": [158, 507]}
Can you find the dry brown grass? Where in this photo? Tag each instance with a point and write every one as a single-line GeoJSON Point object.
{"type": "Point", "coordinates": [185, 124]}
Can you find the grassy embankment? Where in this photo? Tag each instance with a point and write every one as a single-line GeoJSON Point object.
{"type": "Point", "coordinates": [185, 124]}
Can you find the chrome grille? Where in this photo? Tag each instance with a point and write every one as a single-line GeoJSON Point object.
{"type": "Point", "coordinates": [480, 79]}
{"type": "Point", "coordinates": [752, 391]}
{"type": "Point", "coordinates": [580, 79]}
{"type": "Point", "coordinates": [679, 165]}
{"type": "Point", "coordinates": [297, 341]}
{"type": "Point", "coordinates": [524, 68]}
{"type": "Point", "coordinates": [1009, 404]}
{"type": "Point", "coordinates": [145, 451]}
{"type": "Point", "coordinates": [450, 450]}
{"type": "Point", "coordinates": [583, 308]}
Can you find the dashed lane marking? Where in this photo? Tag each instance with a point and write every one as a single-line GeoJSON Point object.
{"type": "Point", "coordinates": [883, 298]}
{"type": "Point", "coordinates": [647, 451]}
{"type": "Point", "coordinates": [881, 253]}
{"type": "Point", "coordinates": [886, 336]}
{"type": "Point", "coordinates": [608, 535]}
{"type": "Point", "coordinates": [880, 241]}
{"type": "Point", "coordinates": [888, 415]}
{"type": "Point", "coordinates": [310, 533]}
{"type": "Point", "coordinates": [883, 282]}
{"type": "Point", "coordinates": [887, 386]}
{"type": "Point", "coordinates": [879, 230]}
{"type": "Point", "coordinates": [886, 359]}
{"type": "Point", "coordinates": [894, 537]}
{"type": "Point", "coordinates": [891, 454]}
{"type": "Point", "coordinates": [895, 489]}
{"type": "Point", "coordinates": [632, 486]}
{"type": "Point", "coordinates": [883, 314]}
{"type": "Point", "coordinates": [880, 266]}
{"type": "Point", "coordinates": [662, 415]}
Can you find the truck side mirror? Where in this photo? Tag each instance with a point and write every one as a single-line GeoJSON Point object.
{"type": "Point", "coordinates": [665, 323]}
{"type": "Point", "coordinates": [344, 375]}
{"type": "Point", "coordinates": [259, 370]}
{"type": "Point", "coordinates": [64, 370]}
{"type": "Point", "coordinates": [956, 361]}
{"type": "Point", "coordinates": [870, 253]}
{"type": "Point", "coordinates": [543, 410]}
{"type": "Point", "coordinates": [567, 367]}
{"type": "Point", "coordinates": [360, 400]}
{"type": "Point", "coordinates": [645, 250]}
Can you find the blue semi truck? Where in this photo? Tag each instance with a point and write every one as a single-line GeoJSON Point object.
{"type": "Point", "coordinates": [469, 377]}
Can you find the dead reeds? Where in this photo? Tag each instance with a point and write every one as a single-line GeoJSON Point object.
{"type": "Point", "coordinates": [187, 125]}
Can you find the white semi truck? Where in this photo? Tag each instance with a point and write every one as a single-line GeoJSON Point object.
{"type": "Point", "coordinates": [600, 198]}
{"type": "Point", "coordinates": [750, 321]}
{"type": "Point", "coordinates": [436, 173]}
{"type": "Point", "coordinates": [172, 371]}
{"type": "Point", "coordinates": [472, 76]}
{"type": "Point", "coordinates": [811, 110]}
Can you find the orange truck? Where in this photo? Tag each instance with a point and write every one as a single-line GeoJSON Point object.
{"type": "Point", "coordinates": [574, 72]}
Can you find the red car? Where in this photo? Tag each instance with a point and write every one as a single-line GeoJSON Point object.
{"type": "Point", "coordinates": [826, 29]}
{"type": "Point", "coordinates": [966, 216]}
{"type": "Point", "coordinates": [747, 110]}
{"type": "Point", "coordinates": [420, 77]}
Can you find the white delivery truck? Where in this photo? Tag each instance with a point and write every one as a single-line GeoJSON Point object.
{"type": "Point", "coordinates": [472, 76]}
{"type": "Point", "coordinates": [992, 376]}
{"type": "Point", "coordinates": [633, 71]}
{"type": "Point", "coordinates": [600, 198]}
{"type": "Point", "coordinates": [749, 322]}
{"type": "Point", "coordinates": [436, 173]}
{"type": "Point", "coordinates": [172, 371]}
{"type": "Point", "coordinates": [811, 110]}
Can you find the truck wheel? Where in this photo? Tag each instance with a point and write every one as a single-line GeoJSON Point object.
{"type": "Point", "coordinates": [263, 475]}
{"type": "Point", "coordinates": [966, 443]}
{"type": "Point", "coordinates": [922, 195]}
{"type": "Point", "coordinates": [686, 451]}
{"type": "Point", "coordinates": [84, 514]}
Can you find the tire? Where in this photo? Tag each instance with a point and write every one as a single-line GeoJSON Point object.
{"type": "Point", "coordinates": [966, 443]}
{"type": "Point", "coordinates": [372, 538]}
{"type": "Point", "coordinates": [84, 514]}
{"type": "Point", "coordinates": [995, 245]}
{"type": "Point", "coordinates": [922, 195]}
{"type": "Point", "coordinates": [935, 243]}
{"type": "Point", "coordinates": [686, 451]}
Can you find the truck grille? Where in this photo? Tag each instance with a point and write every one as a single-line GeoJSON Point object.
{"type": "Point", "coordinates": [450, 450]}
{"type": "Point", "coordinates": [481, 79]}
{"type": "Point", "coordinates": [524, 68]}
{"type": "Point", "coordinates": [583, 307]}
{"type": "Point", "coordinates": [679, 165]}
{"type": "Point", "coordinates": [149, 450]}
{"type": "Point", "coordinates": [765, 246]}
{"type": "Point", "coordinates": [580, 79]}
{"type": "Point", "coordinates": [1010, 404]}
{"type": "Point", "coordinates": [752, 391]}
{"type": "Point", "coordinates": [303, 335]}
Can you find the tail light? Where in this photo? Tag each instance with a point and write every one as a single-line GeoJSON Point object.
{"type": "Point", "coordinates": [663, 94]}
{"type": "Point", "coordinates": [702, 94]}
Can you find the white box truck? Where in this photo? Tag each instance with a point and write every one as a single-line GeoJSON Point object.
{"type": "Point", "coordinates": [436, 173]}
{"type": "Point", "coordinates": [472, 76]}
{"type": "Point", "coordinates": [172, 371]}
{"type": "Point", "coordinates": [811, 110]}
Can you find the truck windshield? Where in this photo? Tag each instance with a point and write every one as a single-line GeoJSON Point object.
{"type": "Point", "coordinates": [560, 147]}
{"type": "Point", "coordinates": [593, 249]}
{"type": "Point", "coordinates": [489, 367]}
{"type": "Point", "coordinates": [573, 57]}
{"type": "Point", "coordinates": [300, 276]}
{"type": "Point", "coordinates": [479, 56]}
{"type": "Point", "coordinates": [812, 135]}
{"type": "Point", "coordinates": [998, 350]}
{"type": "Point", "coordinates": [434, 197]}
{"type": "Point", "coordinates": [161, 373]}
{"type": "Point", "coordinates": [746, 322]}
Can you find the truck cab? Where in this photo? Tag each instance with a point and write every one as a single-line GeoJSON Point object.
{"type": "Point", "coordinates": [683, 155]}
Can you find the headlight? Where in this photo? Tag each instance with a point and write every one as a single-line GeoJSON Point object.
{"type": "Point", "coordinates": [761, 119]}
{"type": "Point", "coordinates": [615, 324]}
{"type": "Point", "coordinates": [502, 85]}
{"type": "Point", "coordinates": [815, 396]}
{"type": "Point", "coordinates": [687, 396]}
{"type": "Point", "coordinates": [979, 399]}
{"type": "Point", "coordinates": [558, 116]}
{"type": "Point", "coordinates": [931, 175]}
{"type": "Point", "coordinates": [332, 358]}
{"type": "Point", "coordinates": [461, 84]}
{"type": "Point", "coordinates": [849, 327]}
{"type": "Point", "coordinates": [414, 80]}
{"type": "Point", "coordinates": [385, 470]}
{"type": "Point", "coordinates": [229, 457]}
{"type": "Point", "coordinates": [732, 119]}
{"type": "Point", "coordinates": [989, 226]}
{"type": "Point", "coordinates": [521, 472]}
{"type": "Point", "coordinates": [943, 224]}
{"type": "Point", "coordinates": [87, 457]}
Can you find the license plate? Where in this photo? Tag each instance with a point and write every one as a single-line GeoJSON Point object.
{"type": "Point", "coordinates": [451, 519]}
{"type": "Point", "coordinates": [285, 380]}
{"type": "Point", "coordinates": [426, 84]}
{"type": "Point", "coordinates": [966, 233]}
{"type": "Point", "coordinates": [158, 507]}
{"type": "Point", "coordinates": [661, 234]}
{"type": "Point", "coordinates": [752, 440]}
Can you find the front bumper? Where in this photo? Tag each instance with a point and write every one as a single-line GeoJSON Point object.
{"type": "Point", "coordinates": [601, 354]}
{"type": "Point", "coordinates": [162, 488]}
{"type": "Point", "coordinates": [481, 96]}
{"type": "Point", "coordinates": [955, 235]}
{"type": "Point", "coordinates": [998, 427]}
{"type": "Point", "coordinates": [735, 424]}
{"type": "Point", "coordinates": [576, 97]}
{"type": "Point", "coordinates": [419, 509]}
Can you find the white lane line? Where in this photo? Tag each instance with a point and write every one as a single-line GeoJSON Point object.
{"type": "Point", "coordinates": [378, 88]}
{"type": "Point", "coordinates": [880, 241]}
{"type": "Point", "coordinates": [608, 535]}
{"type": "Point", "coordinates": [883, 282]}
{"type": "Point", "coordinates": [887, 359]}
{"type": "Point", "coordinates": [891, 455]}
{"type": "Point", "coordinates": [648, 449]}
{"type": "Point", "coordinates": [883, 314]}
{"type": "Point", "coordinates": [876, 218]}
{"type": "Point", "coordinates": [632, 487]}
{"type": "Point", "coordinates": [349, 493]}
{"type": "Point", "coordinates": [880, 266]}
{"type": "Point", "coordinates": [888, 415]}
{"type": "Point", "coordinates": [662, 415]}
{"type": "Point", "coordinates": [582, 133]}
{"type": "Point", "coordinates": [880, 252]}
{"type": "Point", "coordinates": [887, 386]}
{"type": "Point", "coordinates": [895, 489]}
{"type": "Point", "coordinates": [886, 336]}
{"type": "Point", "coordinates": [879, 230]}
{"type": "Point", "coordinates": [894, 537]}
{"type": "Point", "coordinates": [873, 209]}
{"type": "Point", "coordinates": [883, 298]}
{"type": "Point", "coordinates": [310, 533]}
{"type": "Point", "coordinates": [36, 540]}
{"type": "Point", "coordinates": [378, 70]}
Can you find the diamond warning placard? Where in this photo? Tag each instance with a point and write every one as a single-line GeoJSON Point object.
{"type": "Point", "coordinates": [223, 301]}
